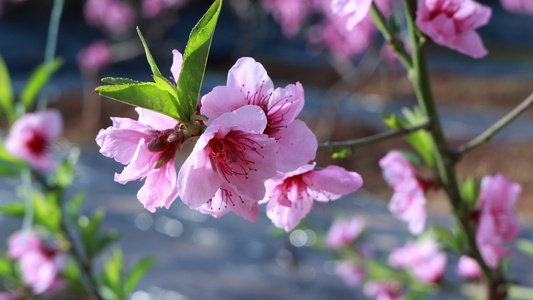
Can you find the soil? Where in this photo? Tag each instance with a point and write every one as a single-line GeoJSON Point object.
{"type": "Point", "coordinates": [514, 161]}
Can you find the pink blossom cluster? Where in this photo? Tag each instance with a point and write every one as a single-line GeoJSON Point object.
{"type": "Point", "coordinates": [31, 136]}
{"type": "Point", "coordinates": [95, 57]}
{"type": "Point", "coordinates": [351, 274]}
{"type": "Point", "coordinates": [422, 258]}
{"type": "Point", "coordinates": [498, 223]}
{"type": "Point", "coordinates": [154, 8]}
{"type": "Point", "coordinates": [452, 23]}
{"type": "Point", "coordinates": [344, 26]}
{"type": "Point", "coordinates": [518, 6]}
{"type": "Point", "coordinates": [253, 150]}
{"type": "Point", "coordinates": [114, 16]}
{"type": "Point", "coordinates": [344, 232]}
{"type": "Point", "coordinates": [408, 202]}
{"type": "Point", "coordinates": [383, 290]}
{"type": "Point", "coordinates": [40, 264]}
{"type": "Point", "coordinates": [468, 268]}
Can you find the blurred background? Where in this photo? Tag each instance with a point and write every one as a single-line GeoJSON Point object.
{"type": "Point", "coordinates": [347, 86]}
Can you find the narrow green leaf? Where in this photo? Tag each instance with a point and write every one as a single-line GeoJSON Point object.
{"type": "Point", "coordinates": [15, 209]}
{"type": "Point", "coordinates": [151, 61]}
{"type": "Point", "coordinates": [344, 153]}
{"type": "Point", "coordinates": [6, 92]}
{"type": "Point", "coordinates": [74, 206]}
{"type": "Point", "coordinates": [113, 271]}
{"type": "Point", "coordinates": [146, 95]}
{"type": "Point", "coordinates": [119, 80]}
{"type": "Point", "coordinates": [195, 59]}
{"type": "Point", "coordinates": [37, 80]}
{"type": "Point", "coordinates": [137, 273]}
{"type": "Point", "coordinates": [107, 239]}
{"type": "Point", "coordinates": [64, 173]}
{"type": "Point", "coordinates": [47, 211]}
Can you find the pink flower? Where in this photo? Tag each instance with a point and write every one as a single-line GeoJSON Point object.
{"type": "Point", "coordinates": [113, 15]}
{"type": "Point", "coordinates": [518, 6]}
{"type": "Point", "coordinates": [248, 84]}
{"type": "Point", "coordinates": [498, 222]}
{"type": "Point", "coordinates": [95, 57]}
{"type": "Point", "coordinates": [40, 265]}
{"type": "Point", "coordinates": [31, 136]}
{"type": "Point", "coordinates": [351, 274]}
{"type": "Point", "coordinates": [154, 8]}
{"type": "Point", "coordinates": [291, 195]}
{"type": "Point", "coordinates": [383, 290]}
{"type": "Point", "coordinates": [290, 13]}
{"type": "Point", "coordinates": [226, 199]}
{"type": "Point", "coordinates": [408, 202]}
{"type": "Point", "coordinates": [423, 258]}
{"type": "Point", "coordinates": [343, 233]}
{"type": "Point", "coordinates": [452, 23]}
{"type": "Point", "coordinates": [6, 296]}
{"type": "Point", "coordinates": [467, 267]}
{"type": "Point", "coordinates": [147, 147]}
{"type": "Point", "coordinates": [233, 156]}
{"type": "Point", "coordinates": [355, 10]}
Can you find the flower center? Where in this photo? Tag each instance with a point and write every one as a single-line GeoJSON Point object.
{"type": "Point", "coordinates": [229, 155]}
{"type": "Point", "coordinates": [226, 200]}
{"type": "Point", "coordinates": [167, 142]}
{"type": "Point", "coordinates": [274, 112]}
{"type": "Point", "coordinates": [37, 143]}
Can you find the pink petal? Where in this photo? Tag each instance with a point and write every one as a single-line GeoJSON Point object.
{"type": "Point", "coordinates": [227, 200]}
{"type": "Point", "coordinates": [155, 120]}
{"type": "Point", "coordinates": [220, 100]}
{"type": "Point", "coordinates": [288, 217]}
{"type": "Point", "coordinates": [22, 242]}
{"type": "Point", "coordinates": [250, 76]}
{"type": "Point", "coordinates": [285, 104]}
{"type": "Point", "coordinates": [160, 188]}
{"type": "Point", "coordinates": [177, 61]}
{"type": "Point", "coordinates": [140, 165]}
{"type": "Point", "coordinates": [332, 183]}
{"type": "Point", "coordinates": [121, 144]}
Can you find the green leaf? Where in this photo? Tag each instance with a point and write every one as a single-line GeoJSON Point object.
{"type": "Point", "coordinates": [525, 246]}
{"type": "Point", "coordinates": [9, 165]}
{"type": "Point", "coordinates": [74, 206]}
{"type": "Point", "coordinates": [137, 273]}
{"type": "Point", "coordinates": [107, 239]}
{"type": "Point", "coordinates": [147, 95]}
{"type": "Point", "coordinates": [151, 61]}
{"type": "Point", "coordinates": [344, 153]}
{"type": "Point", "coordinates": [112, 275]}
{"type": "Point", "coordinates": [15, 209]}
{"type": "Point", "coordinates": [119, 80]}
{"type": "Point", "coordinates": [47, 211]}
{"type": "Point", "coordinates": [195, 59]}
{"type": "Point", "coordinates": [6, 92]}
{"type": "Point", "coordinates": [37, 80]}
{"type": "Point", "coordinates": [64, 173]}
{"type": "Point", "coordinates": [421, 140]}
{"type": "Point", "coordinates": [444, 235]}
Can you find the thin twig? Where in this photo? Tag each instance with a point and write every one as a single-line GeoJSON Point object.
{"type": "Point", "coordinates": [495, 128]}
{"type": "Point", "coordinates": [373, 139]}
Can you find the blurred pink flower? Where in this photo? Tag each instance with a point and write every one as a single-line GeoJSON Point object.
{"type": "Point", "coordinates": [467, 267]}
{"type": "Point", "coordinates": [249, 84]}
{"type": "Point", "coordinates": [94, 58]}
{"type": "Point", "coordinates": [7, 296]}
{"type": "Point", "coordinates": [344, 232]}
{"type": "Point", "coordinates": [232, 152]}
{"type": "Point", "coordinates": [290, 196]}
{"type": "Point", "coordinates": [423, 258]}
{"type": "Point", "coordinates": [154, 8]}
{"type": "Point", "coordinates": [452, 23]}
{"type": "Point", "coordinates": [408, 203]}
{"type": "Point", "coordinates": [498, 222]}
{"type": "Point", "coordinates": [518, 6]}
{"type": "Point", "coordinates": [290, 14]}
{"type": "Point", "coordinates": [354, 10]}
{"type": "Point", "coordinates": [31, 136]}
{"type": "Point", "coordinates": [40, 265]}
{"type": "Point", "coordinates": [147, 147]}
{"type": "Point", "coordinates": [351, 274]}
{"type": "Point", "coordinates": [383, 290]}
{"type": "Point", "coordinates": [113, 15]}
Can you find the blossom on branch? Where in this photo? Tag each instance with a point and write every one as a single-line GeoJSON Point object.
{"type": "Point", "coordinates": [452, 23]}
{"type": "Point", "coordinates": [467, 267]}
{"type": "Point", "coordinates": [344, 232]}
{"type": "Point", "coordinates": [383, 290]}
{"type": "Point", "coordinates": [408, 203]}
{"type": "Point", "coordinates": [233, 156]}
{"type": "Point", "coordinates": [31, 136]}
{"type": "Point", "coordinates": [40, 264]}
{"type": "Point", "coordinates": [350, 273]}
{"type": "Point", "coordinates": [498, 222]}
{"type": "Point", "coordinates": [249, 84]}
{"type": "Point", "coordinates": [290, 196]}
{"type": "Point", "coordinates": [422, 258]}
